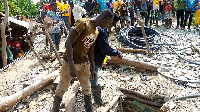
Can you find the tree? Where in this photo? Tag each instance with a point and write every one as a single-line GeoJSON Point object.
{"type": "Point", "coordinates": [3, 31]}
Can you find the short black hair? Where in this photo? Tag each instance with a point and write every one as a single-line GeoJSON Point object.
{"type": "Point", "coordinates": [53, 4]}
{"type": "Point", "coordinates": [115, 17]}
{"type": "Point", "coordinates": [106, 13]}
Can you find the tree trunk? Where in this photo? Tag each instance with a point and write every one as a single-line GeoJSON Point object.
{"type": "Point", "coordinates": [3, 36]}
{"type": "Point", "coordinates": [9, 101]}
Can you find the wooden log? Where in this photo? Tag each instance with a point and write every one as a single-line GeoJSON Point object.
{"type": "Point", "coordinates": [195, 48]}
{"type": "Point", "coordinates": [132, 63]}
{"type": "Point", "coordinates": [131, 50]}
{"type": "Point", "coordinates": [69, 98]}
{"type": "Point", "coordinates": [110, 105]}
{"type": "Point", "coordinates": [149, 102]}
{"type": "Point", "coordinates": [9, 101]}
{"type": "Point", "coordinates": [133, 92]}
{"type": "Point", "coordinates": [123, 90]}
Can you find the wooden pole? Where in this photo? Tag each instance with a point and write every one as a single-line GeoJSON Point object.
{"type": "Point", "coordinates": [133, 63]}
{"type": "Point", "coordinates": [3, 31]}
{"type": "Point", "coordinates": [54, 48]}
{"type": "Point", "coordinates": [37, 56]}
{"type": "Point", "coordinates": [141, 22]}
{"type": "Point", "coordinates": [131, 50]}
{"type": "Point", "coordinates": [9, 101]}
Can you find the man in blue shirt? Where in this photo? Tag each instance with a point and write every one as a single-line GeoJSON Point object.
{"type": "Point", "coordinates": [101, 49]}
{"type": "Point", "coordinates": [56, 33]}
{"type": "Point", "coordinates": [190, 8]}
{"type": "Point", "coordinates": [102, 4]}
{"type": "Point", "coordinates": [110, 5]}
{"type": "Point", "coordinates": [89, 7]}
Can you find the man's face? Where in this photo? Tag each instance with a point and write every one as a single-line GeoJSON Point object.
{"type": "Point", "coordinates": [54, 7]}
{"type": "Point", "coordinates": [106, 22]}
{"type": "Point", "coordinates": [64, 1]}
{"type": "Point", "coordinates": [72, 6]}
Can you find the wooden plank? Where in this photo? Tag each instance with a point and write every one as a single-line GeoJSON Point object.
{"type": "Point", "coordinates": [69, 98]}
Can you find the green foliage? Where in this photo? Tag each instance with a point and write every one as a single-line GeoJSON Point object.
{"type": "Point", "coordinates": [13, 9]}
{"type": "Point", "coordinates": [21, 7]}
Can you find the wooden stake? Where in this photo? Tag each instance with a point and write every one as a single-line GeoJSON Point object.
{"type": "Point", "coordinates": [54, 48]}
{"type": "Point", "coordinates": [141, 22]}
{"type": "Point", "coordinates": [195, 48]}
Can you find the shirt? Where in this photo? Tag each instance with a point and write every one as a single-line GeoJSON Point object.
{"type": "Point", "coordinates": [156, 4]}
{"type": "Point", "coordinates": [56, 18]}
{"type": "Point", "coordinates": [191, 3]}
{"type": "Point", "coordinates": [102, 4]}
{"type": "Point", "coordinates": [47, 7]}
{"type": "Point", "coordinates": [198, 6]}
{"type": "Point", "coordinates": [14, 44]}
{"type": "Point", "coordinates": [168, 7]}
{"type": "Point", "coordinates": [179, 4]}
{"type": "Point", "coordinates": [102, 47]}
{"type": "Point", "coordinates": [78, 12]}
{"type": "Point", "coordinates": [110, 5]}
{"type": "Point", "coordinates": [9, 53]}
{"type": "Point", "coordinates": [65, 7]}
{"type": "Point", "coordinates": [87, 36]}
{"type": "Point", "coordinates": [117, 5]}
{"type": "Point", "coordinates": [59, 5]}
{"type": "Point", "coordinates": [81, 4]}
{"type": "Point", "coordinates": [89, 6]}
{"type": "Point", "coordinates": [143, 6]}
{"type": "Point", "coordinates": [124, 9]}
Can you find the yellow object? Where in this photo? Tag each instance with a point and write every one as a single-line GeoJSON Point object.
{"type": "Point", "coordinates": [156, 2]}
{"type": "Point", "coordinates": [20, 54]}
{"type": "Point", "coordinates": [104, 61]}
{"type": "Point", "coordinates": [117, 4]}
{"type": "Point", "coordinates": [197, 15]}
{"type": "Point", "coordinates": [65, 7]}
{"type": "Point", "coordinates": [59, 5]}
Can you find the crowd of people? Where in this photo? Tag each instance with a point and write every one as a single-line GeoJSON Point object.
{"type": "Point", "coordinates": [152, 11]}
{"type": "Point", "coordinates": [13, 50]}
{"type": "Point", "coordinates": [88, 26]}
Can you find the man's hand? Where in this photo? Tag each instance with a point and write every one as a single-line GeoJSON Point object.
{"type": "Point", "coordinates": [94, 74]}
{"type": "Point", "coordinates": [73, 72]}
{"type": "Point", "coordinates": [104, 64]}
{"type": "Point", "coordinates": [88, 13]}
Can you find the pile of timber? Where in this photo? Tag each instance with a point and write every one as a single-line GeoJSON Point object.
{"type": "Point", "coordinates": [131, 96]}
